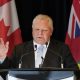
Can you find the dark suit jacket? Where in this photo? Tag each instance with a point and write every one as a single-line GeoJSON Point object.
{"type": "Point", "coordinates": [57, 52]}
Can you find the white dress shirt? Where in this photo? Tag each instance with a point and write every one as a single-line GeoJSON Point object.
{"type": "Point", "coordinates": [37, 63]}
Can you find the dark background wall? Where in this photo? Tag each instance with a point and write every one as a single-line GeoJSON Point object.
{"type": "Point", "coordinates": [58, 10]}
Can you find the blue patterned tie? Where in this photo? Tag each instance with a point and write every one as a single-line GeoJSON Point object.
{"type": "Point", "coordinates": [40, 54]}
{"type": "Point", "coordinates": [40, 49]}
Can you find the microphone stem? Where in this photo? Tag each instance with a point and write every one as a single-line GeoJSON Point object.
{"type": "Point", "coordinates": [19, 65]}
{"type": "Point", "coordinates": [41, 62]}
{"type": "Point", "coordinates": [62, 65]}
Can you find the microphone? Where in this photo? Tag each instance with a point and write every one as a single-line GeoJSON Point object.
{"type": "Point", "coordinates": [20, 61]}
{"type": "Point", "coordinates": [40, 65]}
{"type": "Point", "coordinates": [35, 46]}
{"type": "Point", "coordinates": [62, 65]}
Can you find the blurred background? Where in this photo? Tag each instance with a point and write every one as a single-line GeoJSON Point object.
{"type": "Point", "coordinates": [58, 10]}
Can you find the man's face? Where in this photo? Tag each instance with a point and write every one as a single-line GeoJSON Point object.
{"type": "Point", "coordinates": [41, 32]}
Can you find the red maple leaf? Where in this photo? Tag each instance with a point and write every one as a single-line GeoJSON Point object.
{"type": "Point", "coordinates": [2, 2]}
{"type": "Point", "coordinates": [3, 30]}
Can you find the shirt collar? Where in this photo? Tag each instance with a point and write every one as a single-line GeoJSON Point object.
{"type": "Point", "coordinates": [46, 45]}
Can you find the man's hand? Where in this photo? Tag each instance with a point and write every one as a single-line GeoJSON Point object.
{"type": "Point", "coordinates": [3, 48]}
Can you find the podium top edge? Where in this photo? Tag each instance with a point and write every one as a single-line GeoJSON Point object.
{"type": "Point", "coordinates": [40, 69]}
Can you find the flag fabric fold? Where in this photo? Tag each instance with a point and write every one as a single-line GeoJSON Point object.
{"type": "Point", "coordinates": [9, 24]}
{"type": "Point", "coordinates": [73, 33]}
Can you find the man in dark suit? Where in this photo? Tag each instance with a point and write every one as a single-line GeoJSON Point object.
{"type": "Point", "coordinates": [54, 53]}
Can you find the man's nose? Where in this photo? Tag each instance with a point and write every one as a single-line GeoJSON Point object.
{"type": "Point", "coordinates": [40, 32]}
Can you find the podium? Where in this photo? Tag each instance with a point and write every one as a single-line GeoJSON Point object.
{"type": "Point", "coordinates": [41, 74]}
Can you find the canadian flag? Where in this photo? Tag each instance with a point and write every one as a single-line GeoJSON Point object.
{"type": "Point", "coordinates": [73, 34]}
{"type": "Point", "coordinates": [9, 25]}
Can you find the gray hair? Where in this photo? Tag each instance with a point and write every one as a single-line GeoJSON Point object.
{"type": "Point", "coordinates": [43, 17]}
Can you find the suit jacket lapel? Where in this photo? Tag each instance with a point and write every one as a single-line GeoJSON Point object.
{"type": "Point", "coordinates": [51, 57]}
{"type": "Point", "coordinates": [29, 59]}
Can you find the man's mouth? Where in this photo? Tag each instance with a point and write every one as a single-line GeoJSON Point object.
{"type": "Point", "coordinates": [39, 37]}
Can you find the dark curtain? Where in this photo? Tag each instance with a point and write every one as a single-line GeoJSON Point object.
{"type": "Point", "coordinates": [58, 10]}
